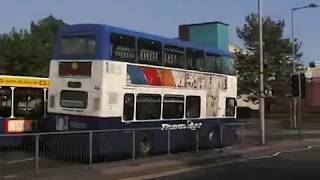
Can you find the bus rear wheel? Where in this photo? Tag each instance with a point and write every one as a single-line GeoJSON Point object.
{"type": "Point", "coordinates": [144, 146]}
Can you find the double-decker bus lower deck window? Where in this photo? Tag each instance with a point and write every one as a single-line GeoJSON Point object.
{"type": "Point", "coordinates": [122, 47]}
{"type": "Point", "coordinates": [77, 46]}
{"type": "Point", "coordinates": [128, 107]}
{"type": "Point", "coordinates": [149, 52]}
{"type": "Point", "coordinates": [75, 69]}
{"type": "Point", "coordinates": [213, 64]}
{"type": "Point", "coordinates": [195, 59]}
{"type": "Point", "coordinates": [230, 106]}
{"type": "Point", "coordinates": [192, 106]}
{"type": "Point", "coordinates": [73, 99]}
{"type": "Point", "coordinates": [173, 106]}
{"type": "Point", "coordinates": [174, 56]}
{"type": "Point", "coordinates": [5, 101]}
{"type": "Point", "coordinates": [28, 102]}
{"type": "Point", "coordinates": [148, 106]}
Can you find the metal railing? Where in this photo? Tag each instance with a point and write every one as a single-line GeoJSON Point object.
{"type": "Point", "coordinates": [59, 149]}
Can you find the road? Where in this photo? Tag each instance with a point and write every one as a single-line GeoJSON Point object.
{"type": "Point", "coordinates": [287, 166]}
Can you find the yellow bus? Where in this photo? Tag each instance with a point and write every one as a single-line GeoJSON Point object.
{"type": "Point", "coordinates": [22, 103]}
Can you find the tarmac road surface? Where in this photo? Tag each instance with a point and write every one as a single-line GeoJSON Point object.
{"type": "Point", "coordinates": [287, 166]}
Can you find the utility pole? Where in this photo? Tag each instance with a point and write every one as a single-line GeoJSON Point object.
{"type": "Point", "coordinates": [294, 120]}
{"type": "Point", "coordinates": [262, 113]}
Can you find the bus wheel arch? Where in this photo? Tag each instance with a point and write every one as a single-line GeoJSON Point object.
{"type": "Point", "coordinates": [144, 144]}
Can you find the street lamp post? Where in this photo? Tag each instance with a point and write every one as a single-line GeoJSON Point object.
{"type": "Point", "coordinates": [262, 112]}
{"type": "Point", "coordinates": [312, 5]}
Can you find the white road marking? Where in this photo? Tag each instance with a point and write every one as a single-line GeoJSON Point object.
{"type": "Point", "coordinates": [20, 161]}
{"type": "Point", "coordinates": [281, 152]}
{"type": "Point", "coordinates": [276, 154]}
{"type": "Point", "coordinates": [299, 150]}
{"type": "Point", "coordinates": [174, 172]}
{"type": "Point", "coordinates": [260, 157]}
{"type": "Point", "coordinates": [10, 176]}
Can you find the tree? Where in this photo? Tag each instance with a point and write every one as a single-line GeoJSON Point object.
{"type": "Point", "coordinates": [277, 57]}
{"type": "Point", "coordinates": [29, 53]}
{"type": "Point", "coordinates": [14, 52]}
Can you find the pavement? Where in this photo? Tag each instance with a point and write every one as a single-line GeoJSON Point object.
{"type": "Point", "coordinates": [282, 140]}
{"type": "Point", "coordinates": [170, 165]}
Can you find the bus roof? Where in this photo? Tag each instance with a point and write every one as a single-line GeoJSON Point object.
{"type": "Point", "coordinates": [79, 29]}
{"type": "Point", "coordinates": [24, 81]}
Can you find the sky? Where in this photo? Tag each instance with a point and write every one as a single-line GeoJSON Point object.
{"type": "Point", "coordinates": [162, 17]}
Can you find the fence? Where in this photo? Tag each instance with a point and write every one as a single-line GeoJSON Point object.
{"type": "Point", "coordinates": [37, 151]}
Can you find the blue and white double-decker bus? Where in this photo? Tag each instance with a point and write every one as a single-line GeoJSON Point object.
{"type": "Point", "coordinates": [103, 77]}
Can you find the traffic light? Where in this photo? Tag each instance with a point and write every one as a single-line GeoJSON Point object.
{"type": "Point", "coordinates": [295, 85]}
{"type": "Point", "coordinates": [303, 85]}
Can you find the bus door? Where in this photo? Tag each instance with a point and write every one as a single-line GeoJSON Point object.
{"type": "Point", "coordinates": [5, 101]}
{"type": "Point", "coordinates": [29, 104]}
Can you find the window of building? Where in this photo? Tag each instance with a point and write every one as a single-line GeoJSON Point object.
{"type": "Point", "coordinates": [148, 106]}
{"type": "Point", "coordinates": [195, 59]}
{"type": "Point", "coordinates": [122, 47]}
{"type": "Point", "coordinates": [128, 107]}
{"type": "Point", "coordinates": [173, 106]}
{"type": "Point", "coordinates": [73, 99]}
{"type": "Point", "coordinates": [213, 64]}
{"type": "Point", "coordinates": [193, 106]}
{"type": "Point", "coordinates": [174, 56]}
{"type": "Point", "coordinates": [149, 52]}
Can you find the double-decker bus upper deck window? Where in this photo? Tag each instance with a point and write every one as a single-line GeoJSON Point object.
{"type": "Point", "coordinates": [228, 65]}
{"type": "Point", "coordinates": [122, 47]}
{"type": "Point", "coordinates": [73, 99]}
{"type": "Point", "coordinates": [75, 68]}
{"type": "Point", "coordinates": [213, 64]}
{"type": "Point", "coordinates": [149, 52]}
{"type": "Point", "coordinates": [174, 56]}
{"type": "Point", "coordinates": [195, 59]}
{"type": "Point", "coordinates": [77, 46]}
{"type": "Point", "coordinates": [148, 106]}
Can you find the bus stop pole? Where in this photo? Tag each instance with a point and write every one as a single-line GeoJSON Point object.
{"type": "Point", "coordinates": [45, 103]}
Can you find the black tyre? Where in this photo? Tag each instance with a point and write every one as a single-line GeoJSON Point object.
{"type": "Point", "coordinates": [144, 145]}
